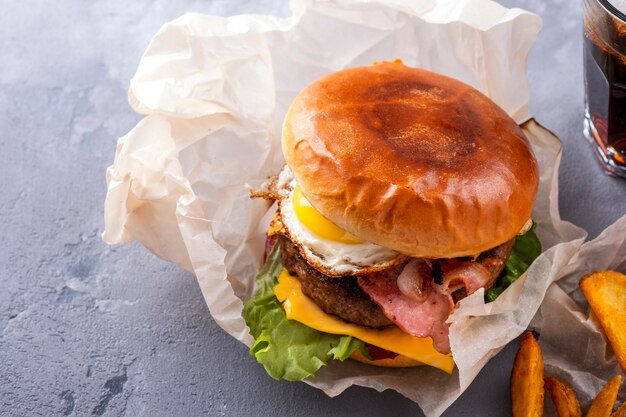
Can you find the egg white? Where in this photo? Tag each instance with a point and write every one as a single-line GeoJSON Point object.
{"type": "Point", "coordinates": [327, 256]}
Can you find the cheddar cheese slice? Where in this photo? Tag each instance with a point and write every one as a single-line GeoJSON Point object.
{"type": "Point", "coordinates": [301, 308]}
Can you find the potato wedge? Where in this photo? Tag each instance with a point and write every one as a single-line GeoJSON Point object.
{"type": "Point", "coordinates": [620, 412]}
{"type": "Point", "coordinates": [602, 405]}
{"type": "Point", "coordinates": [563, 397]}
{"type": "Point", "coordinates": [527, 379]}
{"type": "Point", "coordinates": [606, 293]}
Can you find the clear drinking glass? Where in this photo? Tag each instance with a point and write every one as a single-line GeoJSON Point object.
{"type": "Point", "coordinates": [605, 81]}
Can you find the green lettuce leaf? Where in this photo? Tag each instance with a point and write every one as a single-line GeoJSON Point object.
{"type": "Point", "coordinates": [527, 248]}
{"type": "Point", "coordinates": [288, 349]}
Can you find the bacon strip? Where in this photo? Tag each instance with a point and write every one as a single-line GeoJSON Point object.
{"type": "Point", "coordinates": [469, 275]}
{"type": "Point", "coordinates": [419, 306]}
{"type": "Point", "coordinates": [420, 319]}
{"type": "Point", "coordinates": [415, 280]}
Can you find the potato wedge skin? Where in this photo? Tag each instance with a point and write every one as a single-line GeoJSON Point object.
{"type": "Point", "coordinates": [602, 405]}
{"type": "Point", "coordinates": [527, 379]}
{"type": "Point", "coordinates": [606, 293]}
{"type": "Point", "coordinates": [620, 412]}
{"type": "Point", "coordinates": [563, 397]}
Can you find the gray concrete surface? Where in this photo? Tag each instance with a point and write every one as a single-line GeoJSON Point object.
{"type": "Point", "coordinates": [88, 329]}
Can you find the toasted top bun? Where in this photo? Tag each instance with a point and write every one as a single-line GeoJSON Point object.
{"type": "Point", "coordinates": [399, 361]}
{"type": "Point", "coordinates": [411, 160]}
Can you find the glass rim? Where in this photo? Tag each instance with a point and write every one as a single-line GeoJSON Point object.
{"type": "Point", "coordinates": [613, 10]}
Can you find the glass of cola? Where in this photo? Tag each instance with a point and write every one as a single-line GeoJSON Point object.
{"type": "Point", "coordinates": [605, 81]}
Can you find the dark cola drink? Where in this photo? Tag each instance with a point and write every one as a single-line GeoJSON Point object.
{"type": "Point", "coordinates": [605, 81]}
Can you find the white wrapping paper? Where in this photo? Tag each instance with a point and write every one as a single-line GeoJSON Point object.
{"type": "Point", "coordinates": [214, 91]}
{"type": "Point", "coordinates": [573, 344]}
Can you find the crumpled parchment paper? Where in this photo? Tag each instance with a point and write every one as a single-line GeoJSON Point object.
{"type": "Point", "coordinates": [214, 91]}
{"type": "Point", "coordinates": [574, 346]}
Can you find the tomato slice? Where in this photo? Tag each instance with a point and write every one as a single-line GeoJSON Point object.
{"type": "Point", "coordinates": [377, 353]}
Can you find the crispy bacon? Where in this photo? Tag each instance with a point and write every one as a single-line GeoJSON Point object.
{"type": "Point", "coordinates": [426, 318]}
{"type": "Point", "coordinates": [470, 275]}
{"type": "Point", "coordinates": [415, 280]}
{"type": "Point", "coordinates": [419, 297]}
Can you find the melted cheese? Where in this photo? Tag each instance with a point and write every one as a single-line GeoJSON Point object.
{"type": "Point", "coordinates": [299, 307]}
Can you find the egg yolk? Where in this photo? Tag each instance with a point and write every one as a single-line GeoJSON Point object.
{"type": "Point", "coordinates": [318, 224]}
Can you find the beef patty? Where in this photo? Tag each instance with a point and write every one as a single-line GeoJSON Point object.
{"type": "Point", "coordinates": [338, 296]}
{"type": "Point", "coordinates": [343, 297]}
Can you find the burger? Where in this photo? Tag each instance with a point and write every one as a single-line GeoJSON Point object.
{"type": "Point", "coordinates": [404, 191]}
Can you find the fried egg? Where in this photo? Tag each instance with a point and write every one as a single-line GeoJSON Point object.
{"type": "Point", "coordinates": [326, 247]}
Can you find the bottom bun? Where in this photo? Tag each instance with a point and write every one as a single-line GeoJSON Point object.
{"type": "Point", "coordinates": [397, 362]}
